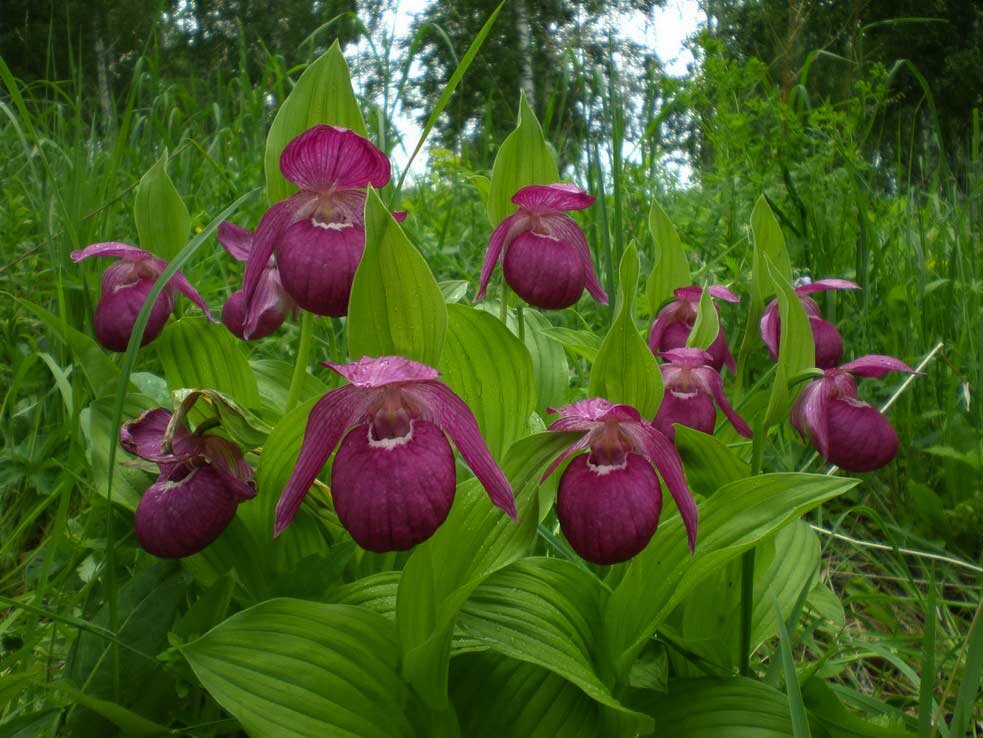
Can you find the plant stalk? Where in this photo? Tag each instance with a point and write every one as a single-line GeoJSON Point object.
{"type": "Point", "coordinates": [303, 357]}
{"type": "Point", "coordinates": [747, 561]}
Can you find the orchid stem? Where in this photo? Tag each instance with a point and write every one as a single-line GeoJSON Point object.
{"type": "Point", "coordinates": [522, 323]}
{"type": "Point", "coordinates": [503, 310]}
{"type": "Point", "coordinates": [303, 356]}
{"type": "Point", "coordinates": [747, 560]}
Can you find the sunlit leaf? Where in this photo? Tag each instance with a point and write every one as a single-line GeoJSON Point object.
{"type": "Point", "coordinates": [796, 350]}
{"type": "Point", "coordinates": [670, 268]}
{"type": "Point", "coordinates": [707, 324]}
{"type": "Point", "coordinates": [163, 221]}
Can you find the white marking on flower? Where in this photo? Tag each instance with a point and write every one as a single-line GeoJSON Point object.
{"type": "Point", "coordinates": [390, 443]}
{"type": "Point", "coordinates": [336, 226]}
{"type": "Point", "coordinates": [605, 469]}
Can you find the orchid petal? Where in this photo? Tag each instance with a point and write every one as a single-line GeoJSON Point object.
{"type": "Point", "coordinates": [586, 414]}
{"type": "Point", "coordinates": [722, 293]}
{"type": "Point", "coordinates": [111, 248]}
{"type": "Point", "coordinates": [398, 215]}
{"type": "Point", "coordinates": [438, 404]}
{"type": "Point", "coordinates": [144, 437]}
{"type": "Point", "coordinates": [824, 285]}
{"type": "Point", "coordinates": [688, 357]}
{"type": "Point", "coordinates": [227, 459]}
{"type": "Point", "coordinates": [829, 343]}
{"type": "Point", "coordinates": [501, 237]}
{"type": "Point", "coordinates": [583, 442]}
{"type": "Point", "coordinates": [861, 438]}
{"type": "Point", "coordinates": [552, 197]}
{"type": "Point", "coordinates": [716, 385]}
{"type": "Point", "coordinates": [179, 282]}
{"type": "Point", "coordinates": [331, 417]}
{"type": "Point", "coordinates": [691, 293]}
{"type": "Point", "coordinates": [235, 239]}
{"type": "Point", "coordinates": [328, 157]}
{"type": "Point", "coordinates": [663, 454]}
{"type": "Point", "coordinates": [566, 229]}
{"type": "Point", "coordinates": [720, 352]}
{"type": "Point", "coordinates": [268, 232]}
{"type": "Point", "coordinates": [369, 372]}
{"type": "Point", "coordinates": [876, 365]}
{"type": "Point", "coordinates": [265, 314]}
{"type": "Point", "coordinates": [809, 415]}
{"type": "Point", "coordinates": [771, 329]}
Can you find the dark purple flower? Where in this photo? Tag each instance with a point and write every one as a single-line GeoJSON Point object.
{"type": "Point", "coordinates": [317, 234]}
{"type": "Point", "coordinates": [845, 430]}
{"type": "Point", "coordinates": [271, 303]}
{"type": "Point", "coordinates": [201, 482]}
{"type": "Point", "coordinates": [393, 478]}
{"type": "Point", "coordinates": [829, 344]}
{"type": "Point", "coordinates": [125, 286]}
{"type": "Point", "coordinates": [544, 254]}
{"type": "Point", "coordinates": [673, 324]}
{"type": "Point", "coordinates": [609, 500]}
{"type": "Point", "coordinates": [692, 385]}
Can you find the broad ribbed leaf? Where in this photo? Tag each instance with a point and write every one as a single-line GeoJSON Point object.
{"type": "Point", "coordinates": [768, 243]}
{"type": "Point", "coordinates": [583, 343]}
{"type": "Point", "coordinates": [396, 307]}
{"type": "Point", "coordinates": [796, 350]}
{"type": "Point", "coordinates": [163, 221]}
{"type": "Point", "coordinates": [670, 268]}
{"type": "Point", "coordinates": [491, 371]}
{"type": "Point", "coordinates": [625, 370]}
{"type": "Point", "coordinates": [323, 94]}
{"type": "Point", "coordinates": [736, 518]}
{"type": "Point", "coordinates": [291, 668]}
{"type": "Point", "coordinates": [524, 158]}
{"type": "Point", "coordinates": [203, 355]}
{"type": "Point", "coordinates": [709, 463]}
{"type": "Point", "coordinates": [707, 324]}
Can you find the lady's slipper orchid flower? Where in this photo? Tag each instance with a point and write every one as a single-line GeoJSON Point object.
{"type": "Point", "coordinates": [829, 344]}
{"type": "Point", "coordinates": [125, 286]}
{"type": "Point", "coordinates": [845, 430]}
{"type": "Point", "coordinates": [317, 234]}
{"type": "Point", "coordinates": [692, 387]}
{"type": "Point", "coordinates": [393, 478]}
{"type": "Point", "coordinates": [202, 480]}
{"type": "Point", "coordinates": [610, 500]}
{"type": "Point", "coordinates": [675, 321]}
{"type": "Point", "coordinates": [544, 254]}
{"type": "Point", "coordinates": [271, 303]}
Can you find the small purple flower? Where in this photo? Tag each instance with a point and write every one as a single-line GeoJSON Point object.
{"type": "Point", "coordinates": [271, 303]}
{"type": "Point", "coordinates": [845, 430]}
{"type": "Point", "coordinates": [610, 499]}
{"type": "Point", "coordinates": [393, 478]}
{"type": "Point", "coordinates": [829, 344]}
{"type": "Point", "coordinates": [673, 324]}
{"type": "Point", "coordinates": [692, 386]}
{"type": "Point", "coordinates": [201, 482]}
{"type": "Point", "coordinates": [125, 286]}
{"type": "Point", "coordinates": [544, 254]}
{"type": "Point", "coordinates": [317, 234]}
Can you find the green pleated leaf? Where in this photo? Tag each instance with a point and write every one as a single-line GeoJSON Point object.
{"type": "Point", "coordinates": [670, 268]}
{"type": "Point", "coordinates": [163, 221]}
{"type": "Point", "coordinates": [524, 158]}
{"type": "Point", "coordinates": [707, 324]}
{"type": "Point", "coordinates": [625, 370]}
{"type": "Point", "coordinates": [322, 95]}
{"type": "Point", "coordinates": [709, 463]}
{"type": "Point", "coordinates": [787, 564]}
{"type": "Point", "coordinates": [476, 540]}
{"type": "Point", "coordinates": [583, 343]}
{"type": "Point", "coordinates": [396, 307]}
{"type": "Point", "coordinates": [499, 697]}
{"type": "Point", "coordinates": [491, 371]}
{"type": "Point", "coordinates": [126, 720]}
{"type": "Point", "coordinates": [377, 592]}
{"type": "Point", "coordinates": [204, 355]}
{"type": "Point", "coordinates": [273, 379]}
{"type": "Point", "coordinates": [826, 710]}
{"type": "Point", "coordinates": [735, 518]}
{"type": "Point", "coordinates": [796, 350]}
{"type": "Point", "coordinates": [290, 668]}
{"type": "Point", "coordinates": [242, 425]}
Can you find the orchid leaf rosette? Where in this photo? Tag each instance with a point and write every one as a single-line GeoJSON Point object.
{"type": "Point", "coordinates": [544, 254]}
{"type": "Point", "coordinates": [393, 478]}
{"type": "Point", "coordinates": [674, 322]}
{"type": "Point", "coordinates": [125, 287]}
{"type": "Point", "coordinates": [317, 234]}
{"type": "Point", "coordinates": [610, 499]}
{"type": "Point", "coordinates": [845, 430]}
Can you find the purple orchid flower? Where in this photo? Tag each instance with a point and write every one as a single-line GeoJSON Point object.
{"type": "Point", "coordinates": [692, 386]}
{"type": "Point", "coordinates": [317, 234]}
{"type": "Point", "coordinates": [393, 478]}
{"type": "Point", "coordinates": [829, 343]}
{"type": "Point", "coordinates": [544, 254]}
{"type": "Point", "coordinates": [125, 286]}
{"type": "Point", "coordinates": [201, 482]}
{"type": "Point", "coordinates": [674, 323]}
{"type": "Point", "coordinates": [845, 430]}
{"type": "Point", "coordinates": [271, 303]}
{"type": "Point", "coordinates": [610, 499]}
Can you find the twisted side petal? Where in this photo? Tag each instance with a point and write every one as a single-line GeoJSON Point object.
{"type": "Point", "coordinates": [861, 438]}
{"type": "Point", "coordinates": [552, 197]}
{"type": "Point", "coordinates": [332, 416]}
{"type": "Point", "coordinates": [722, 293]}
{"type": "Point", "coordinates": [238, 241]}
{"type": "Point", "coordinates": [369, 372]}
{"type": "Point", "coordinates": [501, 237]}
{"type": "Point", "coordinates": [809, 414]}
{"type": "Point", "coordinates": [586, 414]}
{"type": "Point", "coordinates": [144, 437]}
{"type": "Point", "coordinates": [271, 226]}
{"type": "Point", "coordinates": [113, 249]}
{"type": "Point", "coordinates": [712, 380]}
{"type": "Point", "coordinates": [566, 229]}
{"type": "Point", "coordinates": [876, 365]}
{"type": "Point", "coordinates": [270, 307]}
{"type": "Point", "coordinates": [544, 271]}
{"type": "Point", "coordinates": [326, 157]}
{"type": "Point", "coordinates": [823, 285]}
{"type": "Point", "coordinates": [720, 354]}
{"type": "Point", "coordinates": [771, 329]}
{"type": "Point", "coordinates": [179, 282]}
{"type": "Point", "coordinates": [438, 404]}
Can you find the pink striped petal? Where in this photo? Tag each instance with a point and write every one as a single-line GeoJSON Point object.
{"type": "Point", "coordinates": [809, 415]}
{"type": "Point", "coordinates": [323, 158]}
{"type": "Point", "coordinates": [712, 379]}
{"type": "Point", "coordinates": [238, 241]}
{"type": "Point", "coordinates": [583, 442]}
{"type": "Point", "coordinates": [566, 229]}
{"type": "Point", "coordinates": [271, 226]}
{"type": "Point", "coordinates": [144, 437]}
{"type": "Point", "coordinates": [771, 329]}
{"type": "Point", "coordinates": [369, 372]}
{"type": "Point", "coordinates": [722, 293]}
{"type": "Point", "coordinates": [824, 285]}
{"type": "Point", "coordinates": [720, 353]}
{"type": "Point", "coordinates": [586, 414]}
{"type": "Point", "coordinates": [501, 237]}
{"type": "Point", "coordinates": [876, 365]}
{"type": "Point", "coordinates": [552, 198]}
{"type": "Point", "coordinates": [332, 416]}
{"type": "Point", "coordinates": [111, 248]}
{"type": "Point", "coordinates": [829, 343]}
{"type": "Point", "coordinates": [179, 282]}
{"type": "Point", "coordinates": [689, 358]}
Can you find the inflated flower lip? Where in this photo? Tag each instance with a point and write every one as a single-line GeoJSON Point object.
{"type": "Point", "coordinates": [829, 343]}
{"type": "Point", "coordinates": [202, 480]}
{"type": "Point", "coordinates": [609, 500]}
{"type": "Point", "coordinates": [125, 287]}
{"type": "Point", "coordinates": [692, 386]}
{"type": "Point", "coordinates": [544, 254]}
{"type": "Point", "coordinates": [393, 478]}
{"type": "Point", "coordinates": [270, 305]}
{"type": "Point", "coordinates": [674, 322]}
{"type": "Point", "coordinates": [845, 430]}
{"type": "Point", "coordinates": [317, 234]}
